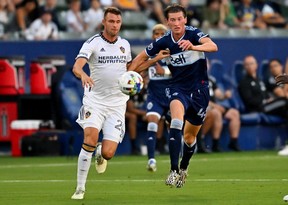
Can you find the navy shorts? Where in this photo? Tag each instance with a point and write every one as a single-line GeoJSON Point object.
{"type": "Point", "coordinates": [156, 105]}
{"type": "Point", "coordinates": [195, 103]}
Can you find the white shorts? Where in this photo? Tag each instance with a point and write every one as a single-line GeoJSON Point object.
{"type": "Point", "coordinates": [111, 120]}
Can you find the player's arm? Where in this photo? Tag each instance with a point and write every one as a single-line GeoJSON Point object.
{"type": "Point", "coordinates": [206, 45]}
{"type": "Point", "coordinates": [138, 60]}
{"type": "Point", "coordinates": [79, 72]}
{"type": "Point", "coordinates": [146, 64]}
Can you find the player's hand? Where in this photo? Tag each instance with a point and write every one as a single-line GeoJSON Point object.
{"type": "Point", "coordinates": [281, 79]}
{"type": "Point", "coordinates": [185, 45]}
{"type": "Point", "coordinates": [163, 54]}
{"type": "Point", "coordinates": [86, 81]}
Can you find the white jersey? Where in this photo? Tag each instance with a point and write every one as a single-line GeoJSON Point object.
{"type": "Point", "coordinates": [107, 62]}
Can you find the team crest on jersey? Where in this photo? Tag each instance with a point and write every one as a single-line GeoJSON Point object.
{"type": "Point", "coordinates": [150, 46]}
{"type": "Point", "coordinates": [149, 106]}
{"type": "Point", "coordinates": [200, 34]}
{"type": "Point", "coordinates": [122, 49]}
{"type": "Point", "coordinates": [87, 114]}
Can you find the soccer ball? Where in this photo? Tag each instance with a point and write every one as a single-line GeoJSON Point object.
{"type": "Point", "coordinates": [131, 83]}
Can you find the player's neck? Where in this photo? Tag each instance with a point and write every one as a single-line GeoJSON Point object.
{"type": "Point", "coordinates": [177, 36]}
{"type": "Point", "coordinates": [109, 38]}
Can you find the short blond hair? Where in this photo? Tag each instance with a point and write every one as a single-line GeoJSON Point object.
{"type": "Point", "coordinates": [159, 27]}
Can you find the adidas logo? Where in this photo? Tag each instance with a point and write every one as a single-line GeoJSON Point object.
{"type": "Point", "coordinates": [172, 139]}
{"type": "Point", "coordinates": [102, 50]}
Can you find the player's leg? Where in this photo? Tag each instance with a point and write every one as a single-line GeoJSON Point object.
{"type": "Point", "coordinates": [175, 137]}
{"type": "Point", "coordinates": [113, 133]}
{"type": "Point", "coordinates": [152, 128]}
{"type": "Point", "coordinates": [194, 117]}
{"type": "Point", "coordinates": [189, 148]}
{"type": "Point", "coordinates": [84, 160]}
{"type": "Point", "coordinates": [206, 127]}
{"type": "Point", "coordinates": [233, 116]}
{"type": "Point", "coordinates": [216, 130]}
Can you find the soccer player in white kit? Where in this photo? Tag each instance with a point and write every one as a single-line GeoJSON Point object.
{"type": "Point", "coordinates": [104, 105]}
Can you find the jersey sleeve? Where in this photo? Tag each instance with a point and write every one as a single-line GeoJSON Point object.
{"type": "Point", "coordinates": [196, 35]}
{"type": "Point", "coordinates": [86, 50]}
{"type": "Point", "coordinates": [129, 53]}
{"type": "Point", "coordinates": [153, 48]}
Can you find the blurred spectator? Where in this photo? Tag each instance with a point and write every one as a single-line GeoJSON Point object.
{"type": "Point", "coordinates": [216, 114]}
{"type": "Point", "coordinates": [127, 5]}
{"type": "Point", "coordinates": [193, 16]}
{"type": "Point", "coordinates": [249, 16]}
{"type": "Point", "coordinates": [276, 69]}
{"type": "Point", "coordinates": [51, 6]}
{"type": "Point", "coordinates": [94, 16]}
{"type": "Point", "coordinates": [42, 28]}
{"type": "Point", "coordinates": [75, 18]}
{"type": "Point", "coordinates": [106, 3]}
{"type": "Point", "coordinates": [6, 13]}
{"type": "Point", "coordinates": [229, 14]}
{"type": "Point", "coordinates": [26, 12]}
{"type": "Point", "coordinates": [157, 14]}
{"type": "Point", "coordinates": [213, 16]}
{"type": "Point", "coordinates": [145, 5]}
{"type": "Point", "coordinates": [271, 14]}
{"type": "Point", "coordinates": [254, 94]}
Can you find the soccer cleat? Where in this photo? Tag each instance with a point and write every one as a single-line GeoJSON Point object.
{"type": "Point", "coordinates": [79, 194]}
{"type": "Point", "coordinates": [182, 178]}
{"type": "Point", "coordinates": [151, 166]}
{"type": "Point", "coordinates": [100, 162]}
{"type": "Point", "coordinates": [172, 178]}
{"type": "Point", "coordinates": [284, 151]}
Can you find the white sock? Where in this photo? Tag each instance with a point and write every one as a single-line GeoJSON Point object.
{"type": "Point", "coordinates": [84, 162]}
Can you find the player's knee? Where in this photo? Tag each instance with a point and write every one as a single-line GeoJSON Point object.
{"type": "Point", "coordinates": [152, 126]}
{"type": "Point", "coordinates": [189, 139]}
{"type": "Point", "coordinates": [176, 124]}
{"type": "Point", "coordinates": [107, 153]}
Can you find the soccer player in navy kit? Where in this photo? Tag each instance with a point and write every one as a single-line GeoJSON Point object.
{"type": "Point", "coordinates": [157, 103]}
{"type": "Point", "coordinates": [188, 91]}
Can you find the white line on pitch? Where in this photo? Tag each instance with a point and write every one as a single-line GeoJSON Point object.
{"type": "Point", "coordinates": [115, 162]}
{"type": "Point", "coordinates": [145, 180]}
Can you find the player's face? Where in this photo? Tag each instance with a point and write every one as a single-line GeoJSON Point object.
{"type": "Point", "coordinates": [158, 33]}
{"type": "Point", "coordinates": [112, 24]}
{"type": "Point", "coordinates": [176, 22]}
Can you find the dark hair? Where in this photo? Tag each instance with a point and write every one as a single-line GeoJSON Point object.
{"type": "Point", "coordinates": [175, 8]}
{"type": "Point", "coordinates": [112, 10]}
{"type": "Point", "coordinates": [274, 59]}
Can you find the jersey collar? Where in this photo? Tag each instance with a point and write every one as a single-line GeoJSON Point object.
{"type": "Point", "coordinates": [105, 39]}
{"type": "Point", "coordinates": [179, 38]}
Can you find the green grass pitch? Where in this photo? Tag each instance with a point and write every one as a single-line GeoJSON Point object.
{"type": "Point", "coordinates": [245, 178]}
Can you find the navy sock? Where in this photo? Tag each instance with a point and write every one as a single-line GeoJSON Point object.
{"type": "Point", "coordinates": [175, 136]}
{"type": "Point", "coordinates": [151, 144]}
{"type": "Point", "coordinates": [187, 154]}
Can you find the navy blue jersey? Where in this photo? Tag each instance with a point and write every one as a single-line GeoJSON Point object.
{"type": "Point", "coordinates": [188, 68]}
{"type": "Point", "coordinates": [157, 102]}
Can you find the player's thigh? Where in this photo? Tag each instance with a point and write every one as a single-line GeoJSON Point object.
{"type": "Point", "coordinates": [176, 109]}
{"type": "Point", "coordinates": [91, 135]}
{"type": "Point", "coordinates": [114, 125]}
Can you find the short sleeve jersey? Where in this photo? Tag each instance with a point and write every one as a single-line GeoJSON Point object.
{"type": "Point", "coordinates": [107, 62]}
{"type": "Point", "coordinates": [188, 68]}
